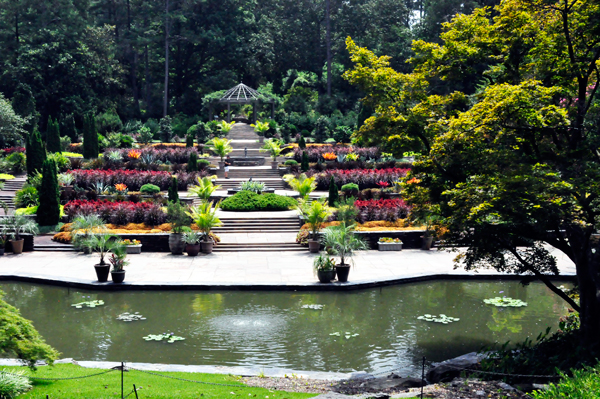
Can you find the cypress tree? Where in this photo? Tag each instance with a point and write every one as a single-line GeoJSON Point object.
{"type": "Point", "coordinates": [334, 195]}
{"type": "Point", "coordinates": [302, 142]}
{"type": "Point", "coordinates": [94, 136]}
{"type": "Point", "coordinates": [67, 127]}
{"type": "Point", "coordinates": [36, 152]}
{"type": "Point", "coordinates": [189, 140]}
{"type": "Point", "coordinates": [90, 137]}
{"type": "Point", "coordinates": [192, 165]}
{"type": "Point", "coordinates": [53, 136]}
{"type": "Point", "coordinates": [304, 164]}
{"type": "Point", "coordinates": [48, 212]}
{"type": "Point", "coordinates": [172, 192]}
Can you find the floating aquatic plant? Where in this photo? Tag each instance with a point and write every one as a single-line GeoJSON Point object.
{"type": "Point", "coordinates": [442, 318]}
{"type": "Point", "coordinates": [505, 302]}
{"type": "Point", "coordinates": [130, 316]}
{"type": "Point", "coordinates": [347, 335]}
{"type": "Point", "coordinates": [89, 304]}
{"type": "Point", "coordinates": [169, 337]}
{"type": "Point", "coordinates": [316, 307]}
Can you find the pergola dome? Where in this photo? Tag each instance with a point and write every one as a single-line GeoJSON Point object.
{"type": "Point", "coordinates": [240, 94]}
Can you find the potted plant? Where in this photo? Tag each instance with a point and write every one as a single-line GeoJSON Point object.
{"type": "Point", "coordinates": [133, 247]}
{"type": "Point", "coordinates": [341, 241]}
{"type": "Point", "coordinates": [3, 238]}
{"type": "Point", "coordinates": [65, 180]}
{"type": "Point", "coordinates": [20, 224]}
{"type": "Point", "coordinates": [273, 147]}
{"type": "Point", "coordinates": [192, 242]}
{"type": "Point", "coordinates": [221, 147]}
{"type": "Point", "coordinates": [205, 187]}
{"type": "Point", "coordinates": [102, 243]}
{"type": "Point", "coordinates": [261, 128]}
{"type": "Point", "coordinates": [205, 217]}
{"type": "Point", "coordinates": [118, 261]}
{"type": "Point", "coordinates": [177, 216]}
{"type": "Point", "coordinates": [303, 184]}
{"type": "Point", "coordinates": [316, 214]}
{"type": "Point", "coordinates": [82, 227]}
{"type": "Point", "coordinates": [389, 244]}
{"type": "Point", "coordinates": [324, 268]}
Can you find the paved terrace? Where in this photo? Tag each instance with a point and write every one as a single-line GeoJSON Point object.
{"type": "Point", "coordinates": [243, 270]}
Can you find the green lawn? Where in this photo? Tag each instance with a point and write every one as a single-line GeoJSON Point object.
{"type": "Point", "coordinates": [149, 386]}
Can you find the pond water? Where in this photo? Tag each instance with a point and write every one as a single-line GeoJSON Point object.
{"type": "Point", "coordinates": [238, 328]}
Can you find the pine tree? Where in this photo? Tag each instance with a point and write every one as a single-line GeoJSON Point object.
{"type": "Point", "coordinates": [36, 152]}
{"type": "Point", "coordinates": [301, 142]}
{"type": "Point", "coordinates": [67, 127]}
{"type": "Point", "coordinates": [53, 136]}
{"type": "Point", "coordinates": [334, 195]}
{"type": "Point", "coordinates": [172, 192]}
{"type": "Point", "coordinates": [48, 212]}
{"type": "Point", "coordinates": [90, 137]}
{"type": "Point", "coordinates": [304, 163]}
{"type": "Point", "coordinates": [192, 165]}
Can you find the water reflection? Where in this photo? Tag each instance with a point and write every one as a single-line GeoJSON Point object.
{"type": "Point", "coordinates": [272, 328]}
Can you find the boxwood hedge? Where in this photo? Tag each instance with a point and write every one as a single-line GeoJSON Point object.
{"type": "Point", "coordinates": [247, 201]}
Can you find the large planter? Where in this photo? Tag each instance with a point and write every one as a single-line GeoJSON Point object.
{"type": "Point", "coordinates": [427, 243]}
{"type": "Point", "coordinates": [314, 246]}
{"type": "Point", "coordinates": [325, 276]}
{"type": "Point", "coordinates": [134, 249]}
{"type": "Point", "coordinates": [2, 251]}
{"type": "Point", "coordinates": [102, 272]}
{"type": "Point", "coordinates": [342, 272]}
{"type": "Point", "coordinates": [221, 165]}
{"type": "Point", "coordinates": [261, 139]}
{"type": "Point", "coordinates": [274, 165]}
{"type": "Point", "coordinates": [118, 277]}
{"type": "Point", "coordinates": [17, 246]}
{"type": "Point", "coordinates": [176, 244]}
{"type": "Point", "coordinates": [192, 249]}
{"type": "Point", "coordinates": [207, 247]}
{"type": "Point", "coordinates": [389, 246]}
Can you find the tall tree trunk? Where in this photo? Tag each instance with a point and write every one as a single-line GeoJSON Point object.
{"type": "Point", "coordinates": [588, 275]}
{"type": "Point", "coordinates": [328, 40]}
{"type": "Point", "coordinates": [166, 96]}
{"type": "Point", "coordinates": [147, 81]}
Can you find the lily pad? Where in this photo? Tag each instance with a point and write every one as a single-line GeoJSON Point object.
{"type": "Point", "coordinates": [505, 302]}
{"type": "Point", "coordinates": [442, 318]}
{"type": "Point", "coordinates": [169, 337]}
{"type": "Point", "coordinates": [130, 316]}
{"type": "Point", "coordinates": [347, 334]}
{"type": "Point", "coordinates": [316, 307]}
{"type": "Point", "coordinates": [88, 304]}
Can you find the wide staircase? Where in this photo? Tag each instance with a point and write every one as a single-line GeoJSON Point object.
{"type": "Point", "coordinates": [258, 234]}
{"type": "Point", "coordinates": [7, 195]}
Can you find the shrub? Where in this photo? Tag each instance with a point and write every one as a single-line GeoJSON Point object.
{"type": "Point", "coordinates": [90, 137]}
{"type": "Point", "coordinates": [145, 135]}
{"type": "Point", "coordinates": [13, 384]}
{"type": "Point", "coordinates": [16, 162]}
{"type": "Point", "coordinates": [128, 212]}
{"type": "Point", "coordinates": [290, 162]}
{"type": "Point", "coordinates": [36, 152]}
{"type": "Point", "coordinates": [173, 194]}
{"type": "Point", "coordinates": [365, 178]}
{"type": "Point", "coordinates": [4, 176]}
{"type": "Point", "coordinates": [350, 188]}
{"type": "Point", "coordinates": [334, 196]}
{"type": "Point", "coordinates": [149, 189]}
{"type": "Point", "coordinates": [48, 213]}
{"type": "Point", "coordinates": [165, 129]}
{"type": "Point", "coordinates": [254, 186]}
{"type": "Point", "coordinates": [27, 196]}
{"type": "Point", "coordinates": [304, 164]}
{"type": "Point", "coordinates": [53, 136]}
{"type": "Point", "coordinates": [62, 162]}
{"type": "Point", "coordinates": [192, 165]}
{"type": "Point", "coordinates": [385, 209]}
{"type": "Point", "coordinates": [133, 179]}
{"type": "Point", "coordinates": [581, 385]}
{"type": "Point", "coordinates": [247, 201]}
{"type": "Point", "coordinates": [315, 153]}
{"type": "Point", "coordinates": [109, 121]}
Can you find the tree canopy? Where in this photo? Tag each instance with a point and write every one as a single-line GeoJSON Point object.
{"type": "Point", "coordinates": [504, 112]}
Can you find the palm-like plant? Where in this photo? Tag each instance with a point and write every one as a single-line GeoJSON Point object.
{"type": "Point", "coordinates": [273, 147]}
{"type": "Point", "coordinates": [205, 217]}
{"type": "Point", "coordinates": [261, 128]}
{"type": "Point", "coordinates": [102, 243]}
{"type": "Point", "coordinates": [304, 185]}
{"type": "Point", "coordinates": [225, 127]}
{"type": "Point", "coordinates": [341, 241]}
{"type": "Point", "coordinates": [118, 257]}
{"type": "Point", "coordinates": [84, 226]}
{"type": "Point", "coordinates": [205, 187]}
{"type": "Point", "coordinates": [316, 214]}
{"type": "Point", "coordinates": [220, 146]}
{"type": "Point", "coordinates": [20, 224]}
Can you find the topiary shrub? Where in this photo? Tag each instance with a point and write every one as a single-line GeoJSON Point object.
{"type": "Point", "coordinates": [48, 213]}
{"type": "Point", "coordinates": [36, 152]}
{"type": "Point", "coordinates": [334, 195]}
{"type": "Point", "coordinates": [53, 136]}
{"type": "Point", "coordinates": [192, 165]}
{"type": "Point", "coordinates": [173, 194]}
{"type": "Point", "coordinates": [247, 201]}
{"type": "Point", "coordinates": [350, 188]}
{"type": "Point", "coordinates": [189, 140]}
{"type": "Point", "coordinates": [149, 189]}
{"type": "Point", "coordinates": [290, 162]}
{"type": "Point", "coordinates": [304, 166]}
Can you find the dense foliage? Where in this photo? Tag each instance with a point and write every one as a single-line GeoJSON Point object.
{"type": "Point", "coordinates": [365, 178]}
{"type": "Point", "coordinates": [117, 212]}
{"type": "Point", "coordinates": [383, 209]}
{"type": "Point", "coordinates": [133, 179]}
{"type": "Point", "coordinates": [248, 201]}
{"type": "Point", "coordinates": [48, 212]}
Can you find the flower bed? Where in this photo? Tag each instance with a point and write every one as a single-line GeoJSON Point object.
{"type": "Point", "coordinates": [118, 212]}
{"type": "Point", "coordinates": [383, 209]}
{"type": "Point", "coordinates": [316, 153]}
{"type": "Point", "coordinates": [365, 178]}
{"type": "Point", "coordinates": [172, 155]}
{"type": "Point", "coordinates": [133, 179]}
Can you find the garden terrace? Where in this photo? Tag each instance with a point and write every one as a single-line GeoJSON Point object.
{"type": "Point", "coordinates": [315, 153]}
{"type": "Point", "coordinates": [133, 179]}
{"type": "Point", "coordinates": [365, 178]}
{"type": "Point", "coordinates": [151, 155]}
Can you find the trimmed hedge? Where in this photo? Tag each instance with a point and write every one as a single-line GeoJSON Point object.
{"type": "Point", "coordinates": [248, 201]}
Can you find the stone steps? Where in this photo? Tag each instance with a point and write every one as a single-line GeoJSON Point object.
{"type": "Point", "coordinates": [227, 184]}
{"type": "Point", "coordinates": [262, 225]}
{"type": "Point", "coordinates": [57, 247]}
{"type": "Point", "coordinates": [259, 247]}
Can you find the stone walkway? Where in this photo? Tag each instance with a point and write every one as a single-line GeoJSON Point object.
{"type": "Point", "coordinates": [244, 270]}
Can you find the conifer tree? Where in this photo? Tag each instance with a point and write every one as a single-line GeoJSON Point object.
{"type": "Point", "coordinates": [53, 136]}
{"type": "Point", "coordinates": [36, 152]}
{"type": "Point", "coordinates": [172, 192]}
{"type": "Point", "coordinates": [192, 165]}
{"type": "Point", "coordinates": [304, 163]}
{"type": "Point", "coordinates": [90, 137]}
{"type": "Point", "coordinates": [189, 140]}
{"type": "Point", "coordinates": [48, 212]}
{"type": "Point", "coordinates": [334, 195]}
{"type": "Point", "coordinates": [67, 127]}
{"type": "Point", "coordinates": [302, 142]}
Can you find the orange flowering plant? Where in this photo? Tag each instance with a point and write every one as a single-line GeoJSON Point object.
{"type": "Point", "coordinates": [120, 187]}
{"type": "Point", "coordinates": [134, 154]}
{"type": "Point", "coordinates": [329, 156]}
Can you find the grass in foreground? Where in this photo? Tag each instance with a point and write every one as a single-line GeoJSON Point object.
{"type": "Point", "coordinates": [584, 384]}
{"type": "Point", "coordinates": [149, 386]}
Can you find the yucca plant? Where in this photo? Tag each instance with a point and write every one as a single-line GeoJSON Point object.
{"type": "Point", "coordinates": [304, 185]}
{"type": "Point", "coordinates": [205, 217]}
{"type": "Point", "coordinates": [205, 187]}
{"type": "Point", "coordinates": [220, 146]}
{"type": "Point", "coordinates": [341, 241]}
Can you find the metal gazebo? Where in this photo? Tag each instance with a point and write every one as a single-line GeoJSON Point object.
{"type": "Point", "coordinates": [242, 94]}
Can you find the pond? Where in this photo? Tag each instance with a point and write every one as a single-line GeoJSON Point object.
{"type": "Point", "coordinates": [378, 328]}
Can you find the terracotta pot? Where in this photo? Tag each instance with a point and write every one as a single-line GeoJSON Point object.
{"type": "Point", "coordinates": [17, 246]}
{"type": "Point", "coordinates": [207, 246]}
{"type": "Point", "coordinates": [192, 249]}
{"type": "Point", "coordinates": [314, 246]}
{"type": "Point", "coordinates": [325, 276]}
{"type": "Point", "coordinates": [342, 272]}
{"type": "Point", "coordinates": [118, 277]}
{"type": "Point", "coordinates": [102, 272]}
{"type": "Point", "coordinates": [176, 244]}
